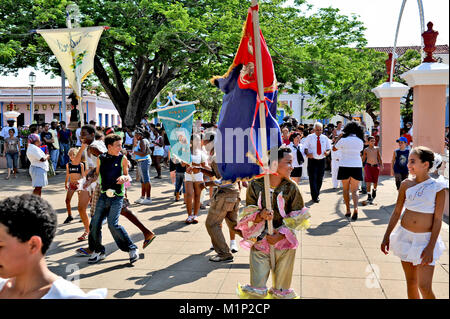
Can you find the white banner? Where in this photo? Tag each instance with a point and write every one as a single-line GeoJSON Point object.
{"type": "Point", "coordinates": [75, 50]}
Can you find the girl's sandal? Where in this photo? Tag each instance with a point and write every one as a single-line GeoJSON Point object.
{"type": "Point", "coordinates": [148, 242]}
{"type": "Point", "coordinates": [83, 237]}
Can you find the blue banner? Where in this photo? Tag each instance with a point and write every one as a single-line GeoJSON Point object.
{"type": "Point", "coordinates": [177, 121]}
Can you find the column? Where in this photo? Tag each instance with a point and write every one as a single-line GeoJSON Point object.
{"type": "Point", "coordinates": [389, 95]}
{"type": "Point", "coordinates": [429, 81]}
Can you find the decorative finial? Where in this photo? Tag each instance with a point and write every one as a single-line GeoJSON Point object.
{"type": "Point", "coordinates": [429, 39]}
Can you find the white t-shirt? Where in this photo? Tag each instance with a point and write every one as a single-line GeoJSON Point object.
{"type": "Point", "coordinates": [34, 155]}
{"type": "Point", "coordinates": [63, 289]}
{"type": "Point", "coordinates": [351, 148]}
{"type": "Point", "coordinates": [5, 131]}
{"type": "Point", "coordinates": [78, 134]}
{"type": "Point", "coordinates": [310, 144]}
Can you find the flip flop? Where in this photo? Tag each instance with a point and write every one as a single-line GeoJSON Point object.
{"type": "Point", "coordinates": [148, 242]}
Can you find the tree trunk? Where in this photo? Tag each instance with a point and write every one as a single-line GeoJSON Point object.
{"type": "Point", "coordinates": [214, 114]}
{"type": "Point", "coordinates": [145, 87]}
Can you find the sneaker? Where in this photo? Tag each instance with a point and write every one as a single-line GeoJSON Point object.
{"type": "Point", "coordinates": [139, 201]}
{"type": "Point", "coordinates": [68, 219]}
{"type": "Point", "coordinates": [96, 257]}
{"type": "Point", "coordinates": [146, 201]}
{"type": "Point", "coordinates": [194, 220]}
{"type": "Point", "coordinates": [233, 247]}
{"type": "Point", "coordinates": [134, 255]}
{"type": "Point", "coordinates": [374, 193]}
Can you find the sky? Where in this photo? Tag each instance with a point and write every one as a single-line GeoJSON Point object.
{"type": "Point", "coordinates": [380, 17]}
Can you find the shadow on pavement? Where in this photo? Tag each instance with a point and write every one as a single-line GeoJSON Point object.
{"type": "Point", "coordinates": [162, 280]}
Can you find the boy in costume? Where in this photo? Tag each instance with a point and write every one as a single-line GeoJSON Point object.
{"type": "Point", "coordinates": [289, 215]}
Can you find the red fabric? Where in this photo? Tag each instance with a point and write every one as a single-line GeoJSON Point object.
{"type": "Point", "coordinates": [246, 56]}
{"type": "Point", "coordinates": [319, 146]}
{"type": "Point", "coordinates": [286, 141]}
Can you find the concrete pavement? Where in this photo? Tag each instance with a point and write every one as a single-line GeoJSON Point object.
{"type": "Point", "coordinates": [336, 258]}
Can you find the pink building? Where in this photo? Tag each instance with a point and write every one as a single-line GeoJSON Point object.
{"type": "Point", "coordinates": [48, 106]}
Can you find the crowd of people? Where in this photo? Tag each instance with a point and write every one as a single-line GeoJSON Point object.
{"type": "Point", "coordinates": [98, 162]}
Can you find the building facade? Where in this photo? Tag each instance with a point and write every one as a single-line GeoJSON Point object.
{"type": "Point", "coordinates": [48, 106]}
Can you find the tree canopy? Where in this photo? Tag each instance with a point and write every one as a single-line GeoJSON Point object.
{"type": "Point", "coordinates": [154, 42]}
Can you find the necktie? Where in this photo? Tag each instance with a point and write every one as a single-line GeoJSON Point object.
{"type": "Point", "coordinates": [319, 146]}
{"type": "Point", "coordinates": [300, 158]}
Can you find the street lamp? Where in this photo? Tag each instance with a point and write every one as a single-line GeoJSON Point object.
{"type": "Point", "coordinates": [32, 80]}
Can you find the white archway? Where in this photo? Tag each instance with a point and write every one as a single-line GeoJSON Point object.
{"type": "Point", "coordinates": [422, 30]}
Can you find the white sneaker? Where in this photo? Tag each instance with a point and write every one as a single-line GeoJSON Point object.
{"type": "Point", "coordinates": [96, 257]}
{"type": "Point", "coordinates": [134, 255]}
{"type": "Point", "coordinates": [146, 201]}
{"type": "Point", "coordinates": [139, 201]}
{"type": "Point", "coordinates": [233, 246]}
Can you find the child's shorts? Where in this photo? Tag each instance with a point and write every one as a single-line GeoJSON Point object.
{"type": "Point", "coordinates": [371, 173]}
{"type": "Point", "coordinates": [409, 246]}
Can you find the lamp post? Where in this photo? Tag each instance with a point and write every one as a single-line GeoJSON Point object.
{"type": "Point", "coordinates": [32, 80]}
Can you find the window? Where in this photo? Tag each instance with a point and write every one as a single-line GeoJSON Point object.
{"type": "Point", "coordinates": [56, 116]}
{"type": "Point", "coordinates": [100, 118]}
{"type": "Point", "coordinates": [112, 119]}
{"type": "Point", "coordinates": [106, 120]}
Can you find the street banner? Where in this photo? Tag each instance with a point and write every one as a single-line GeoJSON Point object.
{"type": "Point", "coordinates": [75, 51]}
{"type": "Point", "coordinates": [177, 117]}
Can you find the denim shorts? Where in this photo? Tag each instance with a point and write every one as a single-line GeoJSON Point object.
{"type": "Point", "coordinates": [12, 160]}
{"type": "Point", "coordinates": [144, 170]}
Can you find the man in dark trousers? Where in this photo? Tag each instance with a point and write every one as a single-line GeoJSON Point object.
{"type": "Point", "coordinates": [317, 147]}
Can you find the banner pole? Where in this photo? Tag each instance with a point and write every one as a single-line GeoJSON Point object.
{"type": "Point", "coordinates": [262, 120]}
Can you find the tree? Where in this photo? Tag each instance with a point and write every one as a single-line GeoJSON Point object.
{"type": "Point", "coordinates": [352, 74]}
{"type": "Point", "coordinates": [154, 42]}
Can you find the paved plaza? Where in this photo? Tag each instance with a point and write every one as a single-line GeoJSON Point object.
{"type": "Point", "coordinates": [336, 258]}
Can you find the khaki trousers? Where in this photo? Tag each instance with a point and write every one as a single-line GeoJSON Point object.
{"type": "Point", "coordinates": [260, 268]}
{"type": "Point", "coordinates": [224, 205]}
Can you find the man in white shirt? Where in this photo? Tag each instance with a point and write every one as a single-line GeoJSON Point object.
{"type": "Point", "coordinates": [5, 130]}
{"type": "Point", "coordinates": [316, 147]}
{"type": "Point", "coordinates": [54, 152]}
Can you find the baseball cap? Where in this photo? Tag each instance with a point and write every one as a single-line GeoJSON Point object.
{"type": "Point", "coordinates": [402, 139]}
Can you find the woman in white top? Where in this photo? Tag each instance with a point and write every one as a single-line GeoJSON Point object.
{"type": "Point", "coordinates": [39, 164]}
{"type": "Point", "coordinates": [298, 156]}
{"type": "Point", "coordinates": [350, 143]}
{"type": "Point", "coordinates": [193, 178]}
{"type": "Point", "coordinates": [417, 241]}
